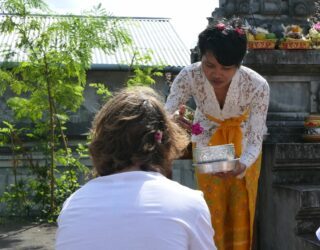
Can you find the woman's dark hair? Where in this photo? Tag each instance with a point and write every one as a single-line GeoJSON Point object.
{"type": "Point", "coordinates": [133, 129]}
{"type": "Point", "coordinates": [226, 40]}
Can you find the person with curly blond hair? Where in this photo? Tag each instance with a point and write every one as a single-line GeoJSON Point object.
{"type": "Point", "coordinates": [131, 204]}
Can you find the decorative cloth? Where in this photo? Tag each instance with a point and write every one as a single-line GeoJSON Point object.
{"type": "Point", "coordinates": [231, 201]}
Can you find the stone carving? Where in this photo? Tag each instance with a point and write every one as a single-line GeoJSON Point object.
{"type": "Point", "coordinates": [243, 7]}
{"type": "Point", "coordinates": [230, 7]}
{"type": "Point", "coordinates": [314, 96]}
{"type": "Point", "coordinates": [271, 7]}
{"type": "Point", "coordinates": [271, 12]}
{"type": "Point", "coordinates": [300, 8]}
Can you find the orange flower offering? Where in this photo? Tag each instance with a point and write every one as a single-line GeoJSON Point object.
{"type": "Point", "coordinates": [294, 38]}
{"type": "Point", "coordinates": [312, 128]}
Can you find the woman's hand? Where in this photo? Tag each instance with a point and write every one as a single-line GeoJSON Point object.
{"type": "Point", "coordinates": [184, 123]}
{"type": "Point", "coordinates": [239, 171]}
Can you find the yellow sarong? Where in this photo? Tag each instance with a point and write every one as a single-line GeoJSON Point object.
{"type": "Point", "coordinates": [231, 201]}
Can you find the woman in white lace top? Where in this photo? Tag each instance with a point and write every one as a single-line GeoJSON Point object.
{"type": "Point", "coordinates": [247, 90]}
{"type": "Point", "coordinates": [231, 103]}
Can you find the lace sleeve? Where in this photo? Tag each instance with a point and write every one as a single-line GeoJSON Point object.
{"type": "Point", "coordinates": [256, 125]}
{"type": "Point", "coordinates": [180, 91]}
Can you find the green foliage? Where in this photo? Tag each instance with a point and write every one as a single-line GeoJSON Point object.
{"type": "Point", "coordinates": [31, 194]}
{"type": "Point", "coordinates": [22, 7]}
{"type": "Point", "coordinates": [45, 89]}
{"type": "Point", "coordinates": [5, 133]}
{"type": "Point", "coordinates": [17, 201]}
{"type": "Point", "coordinates": [143, 73]}
{"type": "Point", "coordinates": [9, 134]}
{"type": "Point", "coordinates": [4, 76]}
{"type": "Point", "coordinates": [16, 195]}
{"type": "Point", "coordinates": [102, 90]}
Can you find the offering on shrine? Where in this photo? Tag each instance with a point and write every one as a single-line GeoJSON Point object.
{"type": "Point", "coordinates": [260, 38]}
{"type": "Point", "coordinates": [314, 35]}
{"type": "Point", "coordinates": [312, 128]}
{"type": "Point", "coordinates": [294, 38]}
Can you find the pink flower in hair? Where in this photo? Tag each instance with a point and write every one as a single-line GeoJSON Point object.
{"type": "Point", "coordinates": [158, 136]}
{"type": "Point", "coordinates": [239, 31]}
{"type": "Point", "coordinates": [220, 26]}
{"type": "Point", "coordinates": [196, 129]}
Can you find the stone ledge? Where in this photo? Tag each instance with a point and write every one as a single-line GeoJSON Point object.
{"type": "Point", "coordinates": [297, 152]}
{"type": "Point", "coordinates": [294, 176]}
{"type": "Point", "coordinates": [311, 239]}
{"type": "Point", "coordinates": [285, 57]}
{"type": "Point", "coordinates": [280, 62]}
{"type": "Point", "coordinates": [307, 203]}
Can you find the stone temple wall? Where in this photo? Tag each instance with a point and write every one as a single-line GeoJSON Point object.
{"type": "Point", "coordinates": [289, 192]}
{"type": "Point", "coordinates": [294, 81]}
{"type": "Point", "coordinates": [274, 12]}
{"type": "Point", "coordinates": [288, 206]}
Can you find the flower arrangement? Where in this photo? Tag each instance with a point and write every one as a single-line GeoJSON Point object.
{"type": "Point", "coordinates": [312, 121]}
{"type": "Point", "coordinates": [312, 128]}
{"type": "Point", "coordinates": [228, 28]}
{"type": "Point", "coordinates": [314, 35]}
{"type": "Point", "coordinates": [185, 119]}
{"type": "Point", "coordinates": [293, 38]}
{"type": "Point", "coordinates": [260, 38]}
{"type": "Point", "coordinates": [196, 129]}
{"type": "Point", "coordinates": [186, 115]}
{"type": "Point", "coordinates": [186, 112]}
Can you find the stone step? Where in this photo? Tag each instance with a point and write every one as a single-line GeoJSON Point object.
{"type": "Point", "coordinates": [304, 203]}
{"type": "Point", "coordinates": [288, 215]}
{"type": "Point", "coordinates": [311, 241]}
{"type": "Point", "coordinates": [296, 163]}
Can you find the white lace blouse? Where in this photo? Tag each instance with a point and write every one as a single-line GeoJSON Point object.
{"type": "Point", "coordinates": [248, 90]}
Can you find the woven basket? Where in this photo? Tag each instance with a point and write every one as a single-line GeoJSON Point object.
{"type": "Point", "coordinates": [312, 128]}
{"type": "Point", "coordinates": [295, 44]}
{"type": "Point", "coordinates": [262, 44]}
{"type": "Point", "coordinates": [315, 43]}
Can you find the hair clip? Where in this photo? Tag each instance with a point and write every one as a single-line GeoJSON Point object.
{"type": "Point", "coordinates": [158, 136]}
{"type": "Point", "coordinates": [225, 32]}
{"type": "Point", "coordinates": [145, 103]}
{"type": "Point", "coordinates": [220, 26]}
{"type": "Point", "coordinates": [239, 31]}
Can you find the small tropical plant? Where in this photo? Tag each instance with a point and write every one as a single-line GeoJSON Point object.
{"type": "Point", "coordinates": [143, 73]}
{"type": "Point", "coordinates": [45, 89]}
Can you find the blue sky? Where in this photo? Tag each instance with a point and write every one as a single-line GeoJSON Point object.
{"type": "Point", "coordinates": [188, 17]}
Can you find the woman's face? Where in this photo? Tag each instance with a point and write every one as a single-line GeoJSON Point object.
{"type": "Point", "coordinates": [218, 75]}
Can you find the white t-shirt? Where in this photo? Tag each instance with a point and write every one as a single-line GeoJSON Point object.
{"type": "Point", "coordinates": [318, 233]}
{"type": "Point", "coordinates": [135, 211]}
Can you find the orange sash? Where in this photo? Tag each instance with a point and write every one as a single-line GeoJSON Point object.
{"type": "Point", "coordinates": [231, 200]}
{"type": "Point", "coordinates": [229, 131]}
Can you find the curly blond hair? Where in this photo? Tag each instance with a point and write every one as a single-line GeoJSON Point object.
{"type": "Point", "coordinates": [134, 129]}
